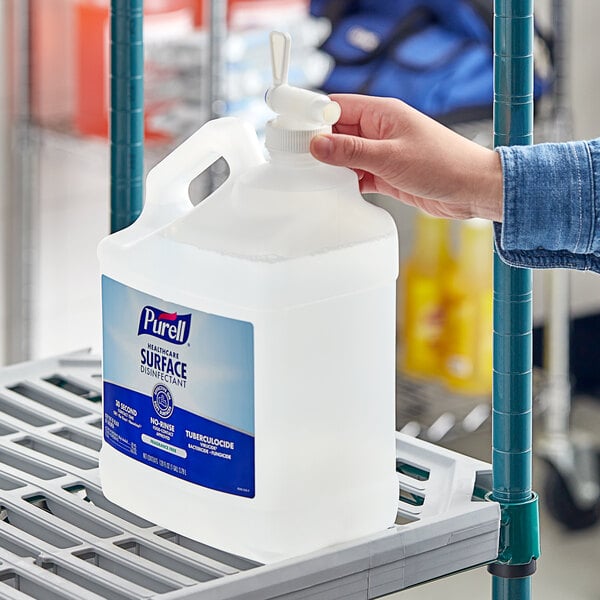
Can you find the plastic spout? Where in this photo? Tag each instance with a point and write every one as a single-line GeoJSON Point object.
{"type": "Point", "coordinates": [297, 108]}
{"type": "Point", "coordinates": [307, 109]}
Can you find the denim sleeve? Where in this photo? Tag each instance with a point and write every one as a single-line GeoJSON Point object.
{"type": "Point", "coordinates": [551, 206]}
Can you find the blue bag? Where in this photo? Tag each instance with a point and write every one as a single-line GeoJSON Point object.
{"type": "Point", "coordinates": [436, 55]}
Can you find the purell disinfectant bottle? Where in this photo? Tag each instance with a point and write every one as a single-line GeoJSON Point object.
{"type": "Point", "coordinates": [249, 343]}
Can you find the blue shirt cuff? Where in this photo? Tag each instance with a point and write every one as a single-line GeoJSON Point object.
{"type": "Point", "coordinates": [550, 216]}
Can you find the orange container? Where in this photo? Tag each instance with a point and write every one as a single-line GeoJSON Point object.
{"type": "Point", "coordinates": [92, 55]}
{"type": "Point", "coordinates": [200, 13]}
{"type": "Point", "coordinates": [52, 77]}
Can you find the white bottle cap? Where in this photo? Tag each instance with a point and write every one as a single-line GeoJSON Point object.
{"type": "Point", "coordinates": [302, 113]}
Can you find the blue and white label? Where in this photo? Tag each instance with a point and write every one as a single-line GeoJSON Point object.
{"type": "Point", "coordinates": [179, 389]}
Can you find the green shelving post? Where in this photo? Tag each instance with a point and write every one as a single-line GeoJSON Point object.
{"type": "Point", "coordinates": [126, 112]}
{"type": "Point", "coordinates": [512, 390]}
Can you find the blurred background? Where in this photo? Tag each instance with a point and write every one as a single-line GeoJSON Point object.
{"type": "Point", "coordinates": [54, 209]}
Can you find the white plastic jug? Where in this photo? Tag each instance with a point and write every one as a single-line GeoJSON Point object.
{"type": "Point", "coordinates": [249, 345]}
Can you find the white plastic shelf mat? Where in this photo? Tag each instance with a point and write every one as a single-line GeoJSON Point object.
{"type": "Point", "coordinates": [60, 539]}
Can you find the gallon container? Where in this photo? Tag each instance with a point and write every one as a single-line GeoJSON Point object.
{"type": "Point", "coordinates": [249, 343]}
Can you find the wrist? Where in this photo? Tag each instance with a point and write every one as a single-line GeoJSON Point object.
{"type": "Point", "coordinates": [488, 192]}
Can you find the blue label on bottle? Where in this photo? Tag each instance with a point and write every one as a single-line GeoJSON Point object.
{"type": "Point", "coordinates": [179, 389]}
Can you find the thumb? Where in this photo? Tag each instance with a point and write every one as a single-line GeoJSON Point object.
{"type": "Point", "coordinates": [350, 151]}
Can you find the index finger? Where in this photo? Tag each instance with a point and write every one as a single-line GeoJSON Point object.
{"type": "Point", "coordinates": [362, 115]}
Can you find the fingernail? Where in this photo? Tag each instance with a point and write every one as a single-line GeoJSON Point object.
{"type": "Point", "coordinates": [321, 146]}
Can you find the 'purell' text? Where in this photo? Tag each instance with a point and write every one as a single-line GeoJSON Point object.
{"type": "Point", "coordinates": [169, 327]}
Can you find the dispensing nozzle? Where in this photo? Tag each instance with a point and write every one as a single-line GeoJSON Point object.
{"type": "Point", "coordinates": [299, 110]}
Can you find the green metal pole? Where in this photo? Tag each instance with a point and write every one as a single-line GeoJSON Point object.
{"type": "Point", "coordinates": [512, 398]}
{"type": "Point", "coordinates": [126, 112]}
{"type": "Point", "coordinates": [518, 589]}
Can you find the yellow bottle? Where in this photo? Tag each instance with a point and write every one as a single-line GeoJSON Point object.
{"type": "Point", "coordinates": [421, 294]}
{"type": "Point", "coordinates": [468, 290]}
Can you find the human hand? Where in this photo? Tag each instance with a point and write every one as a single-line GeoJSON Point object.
{"type": "Point", "coordinates": [400, 152]}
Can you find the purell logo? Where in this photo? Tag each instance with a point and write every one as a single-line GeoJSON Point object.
{"type": "Point", "coordinates": [169, 327]}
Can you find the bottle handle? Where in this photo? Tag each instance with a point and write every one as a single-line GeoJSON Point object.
{"type": "Point", "coordinates": [168, 182]}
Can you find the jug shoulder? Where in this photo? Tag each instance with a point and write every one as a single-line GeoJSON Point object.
{"type": "Point", "coordinates": [309, 175]}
